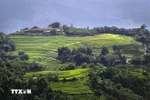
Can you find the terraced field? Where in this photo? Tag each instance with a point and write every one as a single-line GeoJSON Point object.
{"type": "Point", "coordinates": [43, 49]}
{"type": "Point", "coordinates": [77, 87]}
{"type": "Point", "coordinates": [77, 73]}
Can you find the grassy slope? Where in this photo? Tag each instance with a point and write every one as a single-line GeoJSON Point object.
{"type": "Point", "coordinates": [76, 87]}
{"type": "Point", "coordinates": [43, 49]}
{"type": "Point", "coordinates": [68, 74]}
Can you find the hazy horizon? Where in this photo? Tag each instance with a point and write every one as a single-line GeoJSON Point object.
{"type": "Point", "coordinates": [18, 14]}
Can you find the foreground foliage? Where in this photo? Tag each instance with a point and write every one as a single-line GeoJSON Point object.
{"type": "Point", "coordinates": [118, 84]}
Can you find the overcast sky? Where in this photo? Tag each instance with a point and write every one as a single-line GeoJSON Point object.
{"type": "Point", "coordinates": [18, 14]}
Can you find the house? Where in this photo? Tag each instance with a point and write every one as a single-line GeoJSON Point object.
{"type": "Point", "coordinates": [42, 31]}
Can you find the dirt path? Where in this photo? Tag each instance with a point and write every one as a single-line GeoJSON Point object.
{"type": "Point", "coordinates": [127, 61]}
{"type": "Point", "coordinates": [145, 48]}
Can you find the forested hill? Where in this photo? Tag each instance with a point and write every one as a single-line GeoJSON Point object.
{"type": "Point", "coordinates": [141, 34]}
{"type": "Point", "coordinates": [57, 29]}
{"type": "Point", "coordinates": [103, 63]}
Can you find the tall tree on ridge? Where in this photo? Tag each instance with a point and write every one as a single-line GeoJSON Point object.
{"type": "Point", "coordinates": [54, 25]}
{"type": "Point", "coordinates": [143, 26]}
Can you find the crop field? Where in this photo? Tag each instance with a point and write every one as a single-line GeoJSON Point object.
{"type": "Point", "coordinates": [68, 74]}
{"type": "Point", "coordinates": [70, 87]}
{"type": "Point", "coordinates": [43, 49]}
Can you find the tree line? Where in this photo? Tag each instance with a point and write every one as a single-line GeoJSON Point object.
{"type": "Point", "coordinates": [118, 84]}
{"type": "Point", "coordinates": [85, 55]}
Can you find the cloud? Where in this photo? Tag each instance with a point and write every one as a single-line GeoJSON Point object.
{"type": "Point", "coordinates": [46, 12]}
{"type": "Point", "coordinates": [12, 25]}
{"type": "Point", "coordinates": [138, 11]}
{"type": "Point", "coordinates": [17, 14]}
{"type": "Point", "coordinates": [92, 6]}
{"type": "Point", "coordinates": [130, 22]}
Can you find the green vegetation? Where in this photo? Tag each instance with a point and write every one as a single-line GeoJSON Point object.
{"type": "Point", "coordinates": [119, 84]}
{"type": "Point", "coordinates": [77, 73]}
{"type": "Point", "coordinates": [92, 67]}
{"type": "Point", "coordinates": [75, 87]}
{"type": "Point", "coordinates": [72, 87]}
{"type": "Point", "coordinates": [43, 49]}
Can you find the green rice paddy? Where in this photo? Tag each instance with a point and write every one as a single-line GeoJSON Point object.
{"type": "Point", "coordinates": [43, 49]}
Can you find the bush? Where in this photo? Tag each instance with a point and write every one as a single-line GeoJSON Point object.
{"type": "Point", "coordinates": [33, 67]}
{"type": "Point", "coordinates": [23, 56]}
{"type": "Point", "coordinates": [70, 67]}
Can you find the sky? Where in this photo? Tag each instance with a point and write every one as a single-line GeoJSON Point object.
{"type": "Point", "coordinates": [18, 14]}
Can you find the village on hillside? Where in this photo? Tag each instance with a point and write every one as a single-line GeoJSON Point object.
{"type": "Point", "coordinates": [53, 29]}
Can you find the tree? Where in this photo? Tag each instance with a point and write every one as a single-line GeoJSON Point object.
{"type": "Point", "coordinates": [54, 25]}
{"type": "Point", "coordinates": [136, 60]}
{"type": "Point", "coordinates": [65, 28]}
{"type": "Point", "coordinates": [53, 32]}
{"type": "Point", "coordinates": [26, 28]}
{"type": "Point", "coordinates": [89, 51]}
{"type": "Point", "coordinates": [147, 58]}
{"type": "Point", "coordinates": [104, 50]}
{"type": "Point", "coordinates": [142, 39]}
{"type": "Point", "coordinates": [115, 48]}
{"type": "Point", "coordinates": [34, 27]}
{"type": "Point", "coordinates": [80, 58]}
{"type": "Point", "coordinates": [1, 33]}
{"type": "Point", "coordinates": [64, 54]}
{"type": "Point", "coordinates": [70, 67]}
{"type": "Point", "coordinates": [23, 56]}
{"type": "Point", "coordinates": [143, 26]}
{"type": "Point", "coordinates": [6, 44]}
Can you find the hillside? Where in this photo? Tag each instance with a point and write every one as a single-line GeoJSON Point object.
{"type": "Point", "coordinates": [104, 66]}
{"type": "Point", "coordinates": [68, 86]}
{"type": "Point", "coordinates": [43, 49]}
